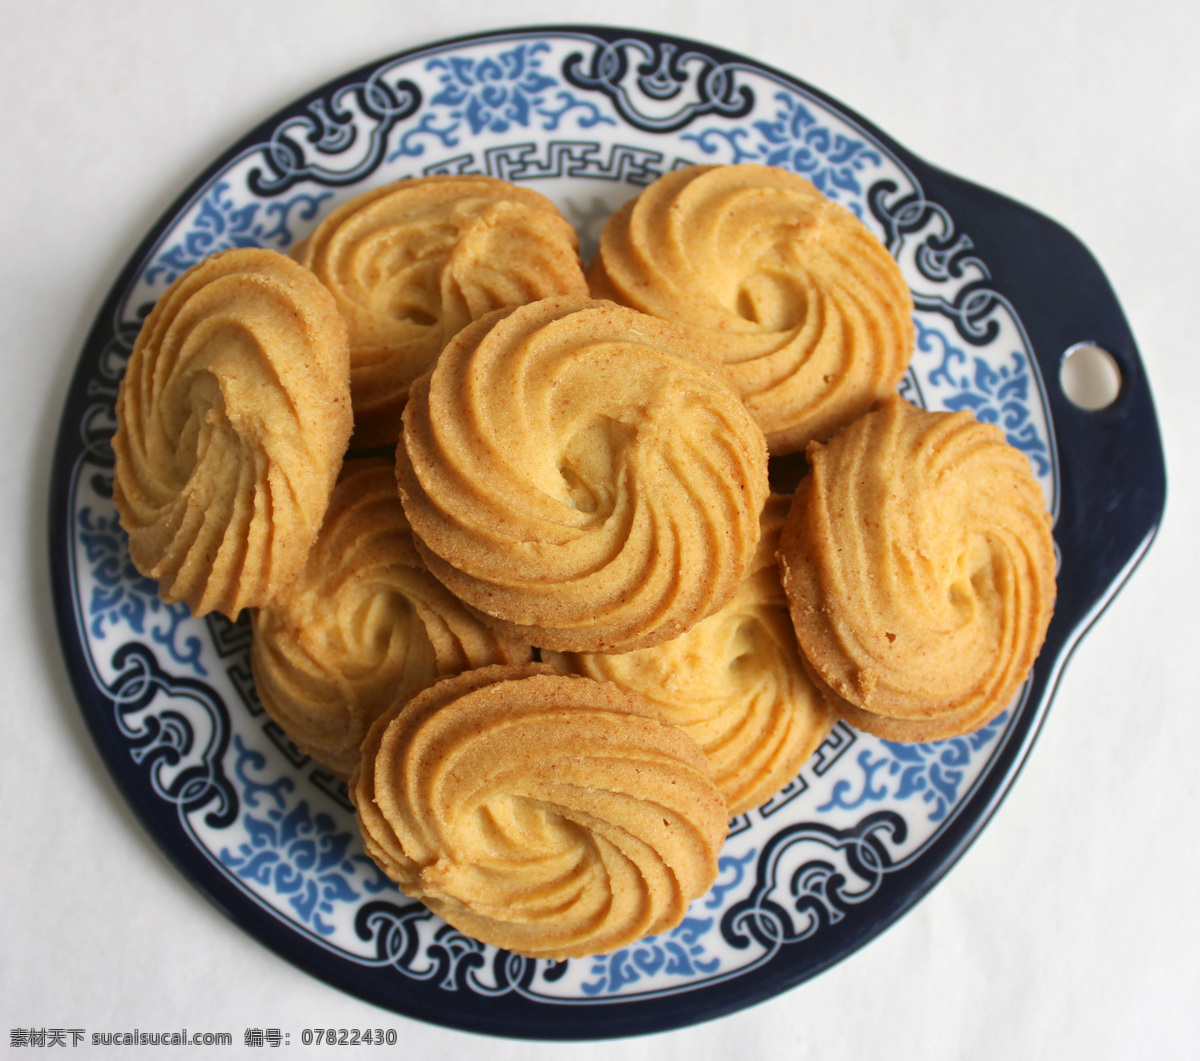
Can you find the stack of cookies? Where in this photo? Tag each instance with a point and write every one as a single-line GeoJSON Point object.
{"type": "Point", "coordinates": [579, 476]}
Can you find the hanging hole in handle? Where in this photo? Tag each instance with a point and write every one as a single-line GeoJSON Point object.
{"type": "Point", "coordinates": [1090, 377]}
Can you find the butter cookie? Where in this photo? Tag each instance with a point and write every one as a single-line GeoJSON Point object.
{"type": "Point", "coordinates": [549, 815]}
{"type": "Point", "coordinates": [582, 475]}
{"type": "Point", "coordinates": [920, 571]}
{"type": "Point", "coordinates": [791, 290]}
{"type": "Point", "coordinates": [232, 420]}
{"type": "Point", "coordinates": [411, 263]}
{"type": "Point", "coordinates": [363, 623]}
{"type": "Point", "coordinates": [734, 683]}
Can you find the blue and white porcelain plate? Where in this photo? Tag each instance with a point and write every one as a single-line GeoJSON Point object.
{"type": "Point", "coordinates": [588, 116]}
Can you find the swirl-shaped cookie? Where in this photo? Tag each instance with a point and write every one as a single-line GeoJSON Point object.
{"type": "Point", "coordinates": [362, 624]}
{"type": "Point", "coordinates": [735, 682]}
{"type": "Point", "coordinates": [232, 420]}
{"type": "Point", "coordinates": [413, 262]}
{"type": "Point", "coordinates": [582, 475]}
{"type": "Point", "coordinates": [919, 567]}
{"type": "Point", "coordinates": [547, 814]}
{"type": "Point", "coordinates": [794, 293]}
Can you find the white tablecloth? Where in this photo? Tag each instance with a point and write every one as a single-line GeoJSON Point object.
{"type": "Point", "coordinates": [1069, 930]}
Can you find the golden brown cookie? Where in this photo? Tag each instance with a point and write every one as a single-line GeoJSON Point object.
{"type": "Point", "coordinates": [735, 682]}
{"type": "Point", "coordinates": [583, 475]}
{"type": "Point", "coordinates": [549, 815]}
{"type": "Point", "coordinates": [794, 293]}
{"type": "Point", "coordinates": [413, 262]}
{"type": "Point", "coordinates": [363, 623]}
{"type": "Point", "coordinates": [232, 420]}
{"type": "Point", "coordinates": [920, 570]}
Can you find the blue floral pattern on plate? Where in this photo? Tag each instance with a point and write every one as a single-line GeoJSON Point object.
{"type": "Point", "coordinates": [794, 139]}
{"type": "Point", "coordinates": [122, 597]}
{"type": "Point", "coordinates": [301, 856]}
{"type": "Point", "coordinates": [221, 225]}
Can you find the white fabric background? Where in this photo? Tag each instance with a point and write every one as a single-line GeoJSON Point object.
{"type": "Point", "coordinates": [1069, 930]}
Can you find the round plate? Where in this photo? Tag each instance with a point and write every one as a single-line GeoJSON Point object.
{"type": "Point", "coordinates": [588, 116]}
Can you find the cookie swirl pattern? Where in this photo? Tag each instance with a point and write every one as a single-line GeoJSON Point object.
{"type": "Point", "coordinates": [920, 571]}
{"type": "Point", "coordinates": [735, 682]}
{"type": "Point", "coordinates": [549, 815]}
{"type": "Point", "coordinates": [583, 475]}
{"type": "Point", "coordinates": [363, 623]}
{"type": "Point", "coordinates": [411, 263]}
{"type": "Point", "coordinates": [232, 419]}
{"type": "Point", "coordinates": [794, 293]}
